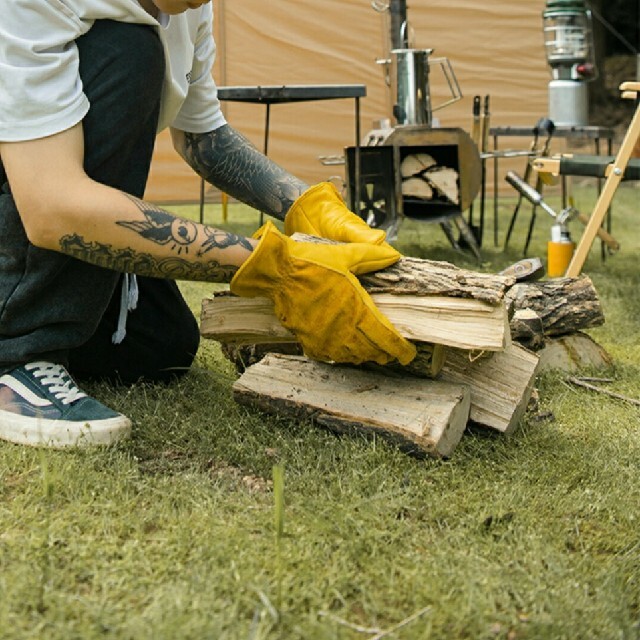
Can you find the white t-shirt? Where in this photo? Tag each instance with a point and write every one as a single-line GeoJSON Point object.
{"type": "Point", "coordinates": [40, 88]}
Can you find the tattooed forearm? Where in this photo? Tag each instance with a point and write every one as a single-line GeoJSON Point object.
{"type": "Point", "coordinates": [144, 264]}
{"type": "Point", "coordinates": [226, 159]}
{"type": "Point", "coordinates": [161, 227]}
{"type": "Point", "coordinates": [217, 239]}
{"type": "Point", "coordinates": [196, 243]}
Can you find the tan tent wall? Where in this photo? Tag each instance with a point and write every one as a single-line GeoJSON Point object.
{"type": "Point", "coordinates": [495, 48]}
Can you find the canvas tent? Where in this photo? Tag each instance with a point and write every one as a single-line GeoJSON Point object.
{"type": "Point", "coordinates": [495, 48]}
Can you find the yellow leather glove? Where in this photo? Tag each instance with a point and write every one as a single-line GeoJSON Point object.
{"type": "Point", "coordinates": [317, 296]}
{"type": "Point", "coordinates": [321, 211]}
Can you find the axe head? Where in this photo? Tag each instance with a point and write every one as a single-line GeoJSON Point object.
{"type": "Point", "coordinates": [525, 270]}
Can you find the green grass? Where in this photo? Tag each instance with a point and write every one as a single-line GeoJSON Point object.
{"type": "Point", "coordinates": [181, 533]}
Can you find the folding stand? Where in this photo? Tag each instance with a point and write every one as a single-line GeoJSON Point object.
{"type": "Point", "coordinates": [612, 169]}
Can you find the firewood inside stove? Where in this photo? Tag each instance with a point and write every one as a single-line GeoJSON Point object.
{"type": "Point", "coordinates": [425, 179]}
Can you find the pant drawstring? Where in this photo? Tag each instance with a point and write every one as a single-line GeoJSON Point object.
{"type": "Point", "coordinates": [128, 302]}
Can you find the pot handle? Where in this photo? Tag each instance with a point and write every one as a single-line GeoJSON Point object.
{"type": "Point", "coordinates": [452, 81]}
{"type": "Point", "coordinates": [406, 35]}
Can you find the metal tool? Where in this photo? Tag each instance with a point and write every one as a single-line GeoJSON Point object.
{"type": "Point", "coordinates": [525, 270]}
{"type": "Point", "coordinates": [484, 145]}
{"type": "Point", "coordinates": [562, 218]}
{"type": "Point", "coordinates": [407, 68]}
{"type": "Point", "coordinates": [544, 125]}
{"type": "Point", "coordinates": [475, 136]}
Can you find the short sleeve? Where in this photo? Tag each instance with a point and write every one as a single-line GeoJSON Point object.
{"type": "Point", "coordinates": [201, 110]}
{"type": "Point", "coordinates": [40, 87]}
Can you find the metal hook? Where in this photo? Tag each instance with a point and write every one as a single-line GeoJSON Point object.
{"type": "Point", "coordinates": [380, 7]}
{"type": "Point", "coordinates": [406, 39]}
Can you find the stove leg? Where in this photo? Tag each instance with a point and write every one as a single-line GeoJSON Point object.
{"type": "Point", "coordinates": [447, 227]}
{"type": "Point", "coordinates": [467, 236]}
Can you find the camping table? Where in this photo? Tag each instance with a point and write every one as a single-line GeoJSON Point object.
{"type": "Point", "coordinates": [282, 94]}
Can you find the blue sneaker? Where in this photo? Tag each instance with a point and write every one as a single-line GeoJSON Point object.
{"type": "Point", "coordinates": [41, 405]}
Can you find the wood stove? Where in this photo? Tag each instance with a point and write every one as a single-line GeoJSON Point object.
{"type": "Point", "coordinates": [383, 198]}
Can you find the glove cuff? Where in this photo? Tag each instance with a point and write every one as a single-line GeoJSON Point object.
{"type": "Point", "coordinates": [321, 211]}
{"type": "Point", "coordinates": [297, 219]}
{"type": "Point", "coordinates": [261, 272]}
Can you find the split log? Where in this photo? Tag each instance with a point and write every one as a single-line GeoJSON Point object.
{"type": "Point", "coordinates": [501, 383]}
{"type": "Point", "coordinates": [416, 163]}
{"type": "Point", "coordinates": [423, 178]}
{"type": "Point", "coordinates": [420, 415]}
{"type": "Point", "coordinates": [428, 363]}
{"type": "Point", "coordinates": [417, 188]}
{"type": "Point", "coordinates": [457, 322]}
{"type": "Point", "coordinates": [422, 277]}
{"type": "Point", "coordinates": [564, 305]}
{"type": "Point", "coordinates": [573, 352]}
{"type": "Point", "coordinates": [444, 181]}
{"type": "Point", "coordinates": [430, 301]}
{"type": "Point", "coordinates": [242, 356]}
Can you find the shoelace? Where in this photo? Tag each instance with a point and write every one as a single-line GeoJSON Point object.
{"type": "Point", "coordinates": [58, 381]}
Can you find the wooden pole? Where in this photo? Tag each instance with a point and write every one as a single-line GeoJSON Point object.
{"type": "Point", "coordinates": [629, 89]}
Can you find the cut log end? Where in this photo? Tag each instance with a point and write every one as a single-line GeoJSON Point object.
{"type": "Point", "coordinates": [572, 353]}
{"type": "Point", "coordinates": [501, 384]}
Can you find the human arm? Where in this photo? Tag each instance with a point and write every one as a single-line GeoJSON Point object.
{"type": "Point", "coordinates": [227, 160]}
{"type": "Point", "coordinates": [63, 210]}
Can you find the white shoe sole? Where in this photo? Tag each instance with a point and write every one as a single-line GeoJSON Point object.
{"type": "Point", "coordinates": [58, 434]}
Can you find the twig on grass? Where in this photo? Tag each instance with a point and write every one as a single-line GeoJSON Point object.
{"type": "Point", "coordinates": [401, 624]}
{"type": "Point", "coordinates": [593, 387]}
{"type": "Point", "coordinates": [350, 625]}
{"type": "Point", "coordinates": [378, 634]}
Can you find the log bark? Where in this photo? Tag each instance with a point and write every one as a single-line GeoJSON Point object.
{"type": "Point", "coordinates": [501, 383]}
{"type": "Point", "coordinates": [456, 322]}
{"type": "Point", "coordinates": [421, 416]}
{"type": "Point", "coordinates": [564, 305]}
{"type": "Point", "coordinates": [421, 277]}
{"type": "Point", "coordinates": [428, 363]}
{"type": "Point", "coordinates": [526, 327]}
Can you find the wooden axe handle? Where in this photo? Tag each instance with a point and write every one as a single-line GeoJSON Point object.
{"type": "Point", "coordinates": [606, 237]}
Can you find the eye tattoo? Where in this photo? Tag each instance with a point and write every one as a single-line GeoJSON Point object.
{"type": "Point", "coordinates": [162, 228]}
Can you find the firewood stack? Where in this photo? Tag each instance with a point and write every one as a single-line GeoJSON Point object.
{"type": "Point", "coordinates": [476, 334]}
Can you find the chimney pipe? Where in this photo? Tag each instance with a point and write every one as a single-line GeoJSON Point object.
{"type": "Point", "coordinates": [399, 30]}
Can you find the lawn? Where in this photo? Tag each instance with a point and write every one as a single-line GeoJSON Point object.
{"type": "Point", "coordinates": [181, 532]}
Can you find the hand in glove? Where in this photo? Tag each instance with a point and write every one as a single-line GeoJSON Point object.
{"type": "Point", "coordinates": [317, 296]}
{"type": "Point", "coordinates": [320, 211]}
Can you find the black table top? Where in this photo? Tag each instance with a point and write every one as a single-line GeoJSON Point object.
{"type": "Point", "coordinates": [274, 94]}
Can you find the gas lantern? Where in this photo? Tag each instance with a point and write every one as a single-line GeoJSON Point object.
{"type": "Point", "coordinates": [568, 42]}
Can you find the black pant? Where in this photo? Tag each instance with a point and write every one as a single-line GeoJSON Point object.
{"type": "Point", "coordinates": [57, 308]}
